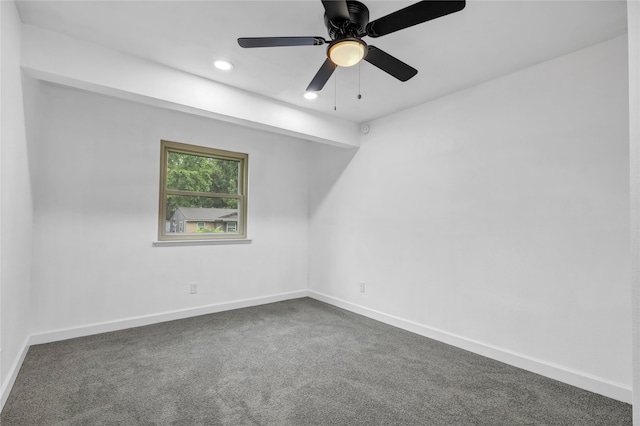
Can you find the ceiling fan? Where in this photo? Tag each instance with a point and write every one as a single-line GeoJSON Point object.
{"type": "Point", "coordinates": [347, 22]}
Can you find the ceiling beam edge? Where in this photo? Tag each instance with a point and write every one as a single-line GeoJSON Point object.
{"type": "Point", "coordinates": [56, 58]}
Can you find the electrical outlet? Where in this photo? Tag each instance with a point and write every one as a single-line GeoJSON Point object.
{"type": "Point", "coordinates": [193, 288]}
{"type": "Point", "coordinates": [361, 286]}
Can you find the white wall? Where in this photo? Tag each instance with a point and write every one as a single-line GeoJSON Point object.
{"type": "Point", "coordinates": [96, 214]}
{"type": "Point", "coordinates": [16, 203]}
{"type": "Point", "coordinates": [498, 214]}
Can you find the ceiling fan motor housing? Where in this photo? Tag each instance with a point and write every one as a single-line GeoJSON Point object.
{"type": "Point", "coordinates": [347, 21]}
{"type": "Point", "coordinates": [354, 27]}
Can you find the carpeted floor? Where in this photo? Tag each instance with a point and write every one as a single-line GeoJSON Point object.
{"type": "Point", "coordinates": [297, 362]}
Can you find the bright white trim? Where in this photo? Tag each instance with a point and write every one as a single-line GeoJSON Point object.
{"type": "Point", "coordinates": [570, 376]}
{"type": "Point", "coordinates": [5, 390]}
{"type": "Point", "coordinates": [105, 327]}
{"type": "Point", "coordinates": [201, 242]}
{"type": "Point", "coordinates": [561, 373]}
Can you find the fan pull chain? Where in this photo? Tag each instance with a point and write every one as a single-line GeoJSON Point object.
{"type": "Point", "coordinates": [359, 94]}
{"type": "Point", "coordinates": [335, 91]}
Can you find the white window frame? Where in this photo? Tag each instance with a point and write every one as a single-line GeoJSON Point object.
{"type": "Point", "coordinates": [242, 158]}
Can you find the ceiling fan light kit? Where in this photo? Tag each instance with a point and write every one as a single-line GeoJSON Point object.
{"type": "Point", "coordinates": [347, 21]}
{"type": "Point", "coordinates": [347, 52]}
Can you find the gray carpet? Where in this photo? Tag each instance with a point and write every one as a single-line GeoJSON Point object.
{"type": "Point", "coordinates": [297, 362]}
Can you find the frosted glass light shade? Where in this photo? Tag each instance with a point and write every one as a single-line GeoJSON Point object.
{"type": "Point", "coordinates": [346, 53]}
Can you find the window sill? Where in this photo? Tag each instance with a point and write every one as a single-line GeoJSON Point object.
{"type": "Point", "coordinates": [179, 243]}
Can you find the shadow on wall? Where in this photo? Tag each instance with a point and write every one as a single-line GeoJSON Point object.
{"type": "Point", "coordinates": [327, 163]}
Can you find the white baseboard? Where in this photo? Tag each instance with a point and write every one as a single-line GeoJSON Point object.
{"type": "Point", "coordinates": [573, 377]}
{"type": "Point", "coordinates": [563, 374]}
{"type": "Point", "coordinates": [105, 327]}
{"type": "Point", "coordinates": [5, 389]}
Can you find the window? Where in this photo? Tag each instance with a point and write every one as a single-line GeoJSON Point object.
{"type": "Point", "coordinates": [203, 193]}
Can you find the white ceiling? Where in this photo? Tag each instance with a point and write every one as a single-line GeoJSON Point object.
{"type": "Point", "coordinates": [484, 41]}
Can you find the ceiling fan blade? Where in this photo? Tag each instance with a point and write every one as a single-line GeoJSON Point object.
{"type": "Point", "coordinates": [337, 10]}
{"type": "Point", "coordinates": [322, 76]}
{"type": "Point", "coordinates": [280, 41]}
{"type": "Point", "coordinates": [389, 64]}
{"type": "Point", "coordinates": [412, 15]}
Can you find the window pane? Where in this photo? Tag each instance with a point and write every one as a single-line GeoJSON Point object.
{"type": "Point", "coordinates": [186, 214]}
{"type": "Point", "coordinates": [203, 193]}
{"type": "Point", "coordinates": [187, 172]}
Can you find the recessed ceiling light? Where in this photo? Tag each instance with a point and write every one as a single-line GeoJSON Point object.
{"type": "Point", "coordinates": [310, 95]}
{"type": "Point", "coordinates": [222, 64]}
